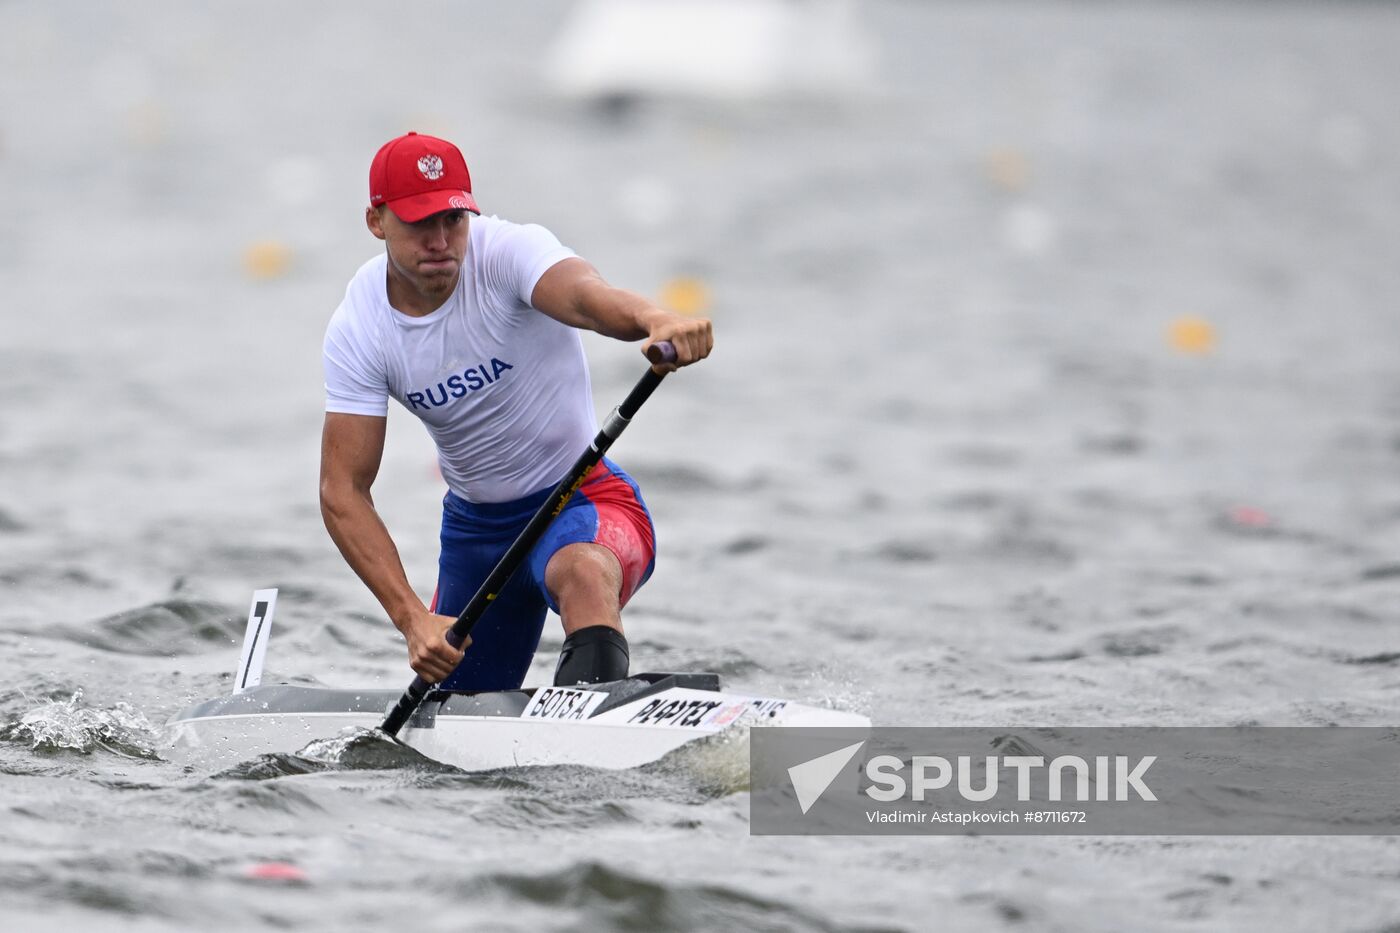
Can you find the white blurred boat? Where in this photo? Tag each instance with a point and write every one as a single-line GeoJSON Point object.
{"type": "Point", "coordinates": [725, 49]}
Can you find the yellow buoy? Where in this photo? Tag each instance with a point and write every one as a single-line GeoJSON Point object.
{"type": "Point", "coordinates": [266, 259]}
{"type": "Point", "coordinates": [685, 296]}
{"type": "Point", "coordinates": [1191, 335]}
{"type": "Point", "coordinates": [1007, 169]}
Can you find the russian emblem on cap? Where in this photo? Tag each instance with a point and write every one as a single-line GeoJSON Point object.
{"type": "Point", "coordinates": [431, 167]}
{"type": "Point", "coordinates": [419, 175]}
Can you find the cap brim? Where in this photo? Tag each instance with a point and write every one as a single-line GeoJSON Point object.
{"type": "Point", "coordinates": [413, 209]}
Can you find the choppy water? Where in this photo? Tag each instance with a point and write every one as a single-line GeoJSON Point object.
{"type": "Point", "coordinates": [945, 466]}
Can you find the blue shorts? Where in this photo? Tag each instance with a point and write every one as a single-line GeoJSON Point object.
{"type": "Point", "coordinates": [607, 509]}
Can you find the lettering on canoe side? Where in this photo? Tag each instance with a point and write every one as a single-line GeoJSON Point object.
{"type": "Point", "coordinates": [562, 703]}
{"type": "Point", "coordinates": [666, 712]}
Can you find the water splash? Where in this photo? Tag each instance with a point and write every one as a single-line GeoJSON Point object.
{"type": "Point", "coordinates": [358, 749]}
{"type": "Point", "coordinates": [715, 766]}
{"type": "Point", "coordinates": [67, 725]}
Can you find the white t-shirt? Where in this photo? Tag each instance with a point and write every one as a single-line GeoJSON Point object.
{"type": "Point", "coordinates": [502, 388]}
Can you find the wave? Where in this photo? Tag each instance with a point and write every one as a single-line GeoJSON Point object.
{"type": "Point", "coordinates": [354, 749]}
{"type": "Point", "coordinates": [605, 897]}
{"type": "Point", "coordinates": [165, 629]}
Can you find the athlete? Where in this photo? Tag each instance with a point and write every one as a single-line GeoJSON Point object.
{"type": "Point", "coordinates": [472, 324]}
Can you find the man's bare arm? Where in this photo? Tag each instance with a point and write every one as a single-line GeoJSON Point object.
{"type": "Point", "coordinates": [352, 447]}
{"type": "Point", "coordinates": [573, 293]}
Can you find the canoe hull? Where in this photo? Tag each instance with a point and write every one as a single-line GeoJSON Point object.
{"type": "Point", "coordinates": [619, 725]}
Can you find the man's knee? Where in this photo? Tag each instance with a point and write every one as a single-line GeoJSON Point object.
{"type": "Point", "coordinates": [588, 571]}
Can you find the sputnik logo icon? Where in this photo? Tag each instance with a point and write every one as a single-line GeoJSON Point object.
{"type": "Point", "coordinates": [811, 778]}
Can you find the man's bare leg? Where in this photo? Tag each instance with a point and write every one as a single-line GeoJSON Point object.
{"type": "Point", "coordinates": [586, 583]}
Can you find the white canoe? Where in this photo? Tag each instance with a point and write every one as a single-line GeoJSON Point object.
{"type": "Point", "coordinates": [616, 725]}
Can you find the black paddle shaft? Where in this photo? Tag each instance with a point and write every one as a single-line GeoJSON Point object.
{"type": "Point", "coordinates": [617, 421]}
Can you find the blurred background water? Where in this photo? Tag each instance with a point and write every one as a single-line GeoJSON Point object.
{"type": "Point", "coordinates": [1056, 383]}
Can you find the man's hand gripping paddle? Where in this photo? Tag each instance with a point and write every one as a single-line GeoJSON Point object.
{"type": "Point", "coordinates": [659, 353]}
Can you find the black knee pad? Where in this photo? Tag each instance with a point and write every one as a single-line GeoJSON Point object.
{"type": "Point", "coordinates": [592, 655]}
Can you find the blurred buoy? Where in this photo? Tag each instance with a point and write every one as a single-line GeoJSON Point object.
{"type": "Point", "coordinates": [266, 259]}
{"type": "Point", "coordinates": [295, 181]}
{"type": "Point", "coordinates": [284, 872]}
{"type": "Point", "coordinates": [647, 202]}
{"type": "Point", "coordinates": [1247, 516]}
{"type": "Point", "coordinates": [1028, 230]}
{"type": "Point", "coordinates": [1190, 334]}
{"type": "Point", "coordinates": [1007, 169]}
{"type": "Point", "coordinates": [685, 296]}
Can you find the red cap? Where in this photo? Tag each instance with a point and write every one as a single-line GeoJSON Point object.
{"type": "Point", "coordinates": [420, 175]}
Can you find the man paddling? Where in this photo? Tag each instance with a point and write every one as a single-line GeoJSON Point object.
{"type": "Point", "coordinates": [472, 324]}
